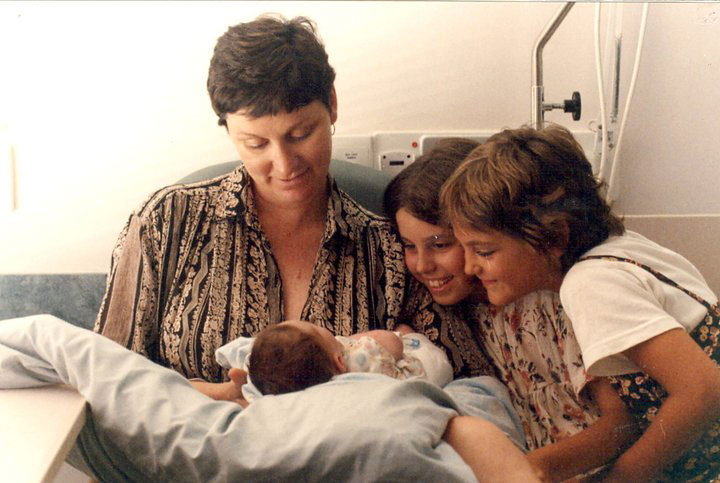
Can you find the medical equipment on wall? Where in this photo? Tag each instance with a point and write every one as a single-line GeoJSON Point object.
{"type": "Point", "coordinates": [607, 141]}
{"type": "Point", "coordinates": [539, 106]}
{"type": "Point", "coordinates": [611, 178]}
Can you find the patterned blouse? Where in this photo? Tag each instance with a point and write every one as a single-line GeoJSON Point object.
{"type": "Point", "coordinates": [192, 270]}
{"type": "Point", "coordinates": [533, 346]}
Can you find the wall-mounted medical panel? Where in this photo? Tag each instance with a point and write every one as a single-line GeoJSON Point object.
{"type": "Point", "coordinates": [353, 148]}
{"type": "Point", "coordinates": [395, 161]}
{"type": "Point", "coordinates": [392, 151]}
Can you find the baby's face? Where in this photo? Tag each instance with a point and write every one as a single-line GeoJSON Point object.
{"type": "Point", "coordinates": [323, 336]}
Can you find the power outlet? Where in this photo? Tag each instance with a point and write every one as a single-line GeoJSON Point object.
{"type": "Point", "coordinates": [394, 161]}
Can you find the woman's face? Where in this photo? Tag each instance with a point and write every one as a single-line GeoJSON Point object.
{"type": "Point", "coordinates": [435, 258]}
{"type": "Point", "coordinates": [287, 155]}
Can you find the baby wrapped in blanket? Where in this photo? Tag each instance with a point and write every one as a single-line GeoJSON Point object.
{"type": "Point", "coordinates": [294, 355]}
{"type": "Point", "coordinates": [146, 423]}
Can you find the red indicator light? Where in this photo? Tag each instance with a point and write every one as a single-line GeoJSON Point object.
{"type": "Point", "coordinates": [414, 144]}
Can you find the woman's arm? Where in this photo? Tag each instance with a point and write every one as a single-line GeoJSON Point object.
{"type": "Point", "coordinates": [127, 314]}
{"type": "Point", "coordinates": [224, 391]}
{"type": "Point", "coordinates": [593, 447]}
{"type": "Point", "coordinates": [488, 451]}
{"type": "Point", "coordinates": [692, 381]}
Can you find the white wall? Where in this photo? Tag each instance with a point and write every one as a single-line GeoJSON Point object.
{"type": "Point", "coordinates": [106, 102]}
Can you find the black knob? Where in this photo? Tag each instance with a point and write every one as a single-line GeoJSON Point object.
{"type": "Point", "coordinates": [573, 105]}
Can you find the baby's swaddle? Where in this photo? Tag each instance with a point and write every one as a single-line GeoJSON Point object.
{"type": "Point", "coordinates": [421, 358]}
{"type": "Point", "coordinates": [416, 347]}
{"type": "Point", "coordinates": [434, 360]}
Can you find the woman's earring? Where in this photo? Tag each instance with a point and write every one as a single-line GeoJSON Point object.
{"type": "Point", "coordinates": [332, 129]}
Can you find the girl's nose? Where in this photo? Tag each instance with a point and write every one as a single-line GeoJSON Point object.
{"type": "Point", "coordinates": [424, 263]}
{"type": "Point", "coordinates": [471, 268]}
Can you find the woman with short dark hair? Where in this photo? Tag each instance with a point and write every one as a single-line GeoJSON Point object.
{"type": "Point", "coordinates": [199, 265]}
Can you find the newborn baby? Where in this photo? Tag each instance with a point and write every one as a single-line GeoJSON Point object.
{"type": "Point", "coordinates": [295, 354]}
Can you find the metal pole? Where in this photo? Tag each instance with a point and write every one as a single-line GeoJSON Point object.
{"type": "Point", "coordinates": [537, 65]}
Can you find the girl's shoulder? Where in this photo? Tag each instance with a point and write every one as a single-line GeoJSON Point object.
{"type": "Point", "coordinates": [631, 259]}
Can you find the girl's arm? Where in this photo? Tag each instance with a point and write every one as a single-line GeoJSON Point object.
{"type": "Point", "coordinates": [692, 381]}
{"type": "Point", "coordinates": [593, 447]}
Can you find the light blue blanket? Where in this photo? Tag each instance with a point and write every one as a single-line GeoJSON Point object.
{"type": "Point", "coordinates": [146, 423]}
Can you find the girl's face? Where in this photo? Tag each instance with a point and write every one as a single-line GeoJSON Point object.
{"type": "Point", "coordinates": [508, 267]}
{"type": "Point", "coordinates": [435, 258]}
{"type": "Point", "coordinates": [287, 155]}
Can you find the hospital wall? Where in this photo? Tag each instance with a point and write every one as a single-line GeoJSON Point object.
{"type": "Point", "coordinates": [102, 103]}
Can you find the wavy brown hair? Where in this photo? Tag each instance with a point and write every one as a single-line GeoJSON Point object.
{"type": "Point", "coordinates": [285, 359]}
{"type": "Point", "coordinates": [268, 66]}
{"type": "Point", "coordinates": [536, 185]}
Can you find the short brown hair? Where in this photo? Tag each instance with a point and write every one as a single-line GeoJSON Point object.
{"type": "Point", "coordinates": [269, 65]}
{"type": "Point", "coordinates": [531, 184]}
{"type": "Point", "coordinates": [285, 359]}
{"type": "Point", "coordinates": [417, 187]}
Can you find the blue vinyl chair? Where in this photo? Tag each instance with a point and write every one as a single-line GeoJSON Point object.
{"type": "Point", "coordinates": [365, 185]}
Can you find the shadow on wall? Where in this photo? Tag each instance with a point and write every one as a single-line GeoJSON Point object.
{"type": "Point", "coordinates": [694, 237]}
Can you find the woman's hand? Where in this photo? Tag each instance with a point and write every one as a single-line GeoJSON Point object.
{"type": "Point", "coordinates": [224, 391]}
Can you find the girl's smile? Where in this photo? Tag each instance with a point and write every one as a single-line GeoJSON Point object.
{"type": "Point", "coordinates": [508, 267]}
{"type": "Point", "coordinates": [435, 258]}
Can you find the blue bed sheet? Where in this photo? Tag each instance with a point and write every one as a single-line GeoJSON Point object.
{"type": "Point", "coordinates": [146, 423]}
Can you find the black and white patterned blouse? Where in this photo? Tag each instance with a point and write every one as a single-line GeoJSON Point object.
{"type": "Point", "coordinates": [192, 270]}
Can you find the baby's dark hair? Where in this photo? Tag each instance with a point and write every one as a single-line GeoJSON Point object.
{"type": "Point", "coordinates": [268, 66]}
{"type": "Point", "coordinates": [416, 188]}
{"type": "Point", "coordinates": [532, 184]}
{"type": "Point", "coordinates": [285, 359]}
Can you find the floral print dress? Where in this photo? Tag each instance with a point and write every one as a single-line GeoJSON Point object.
{"type": "Point", "coordinates": [534, 350]}
{"type": "Point", "coordinates": [644, 396]}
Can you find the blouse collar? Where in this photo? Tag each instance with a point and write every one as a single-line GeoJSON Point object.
{"type": "Point", "coordinates": [235, 200]}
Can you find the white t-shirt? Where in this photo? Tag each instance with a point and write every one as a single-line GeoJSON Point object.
{"type": "Point", "coordinates": [615, 305]}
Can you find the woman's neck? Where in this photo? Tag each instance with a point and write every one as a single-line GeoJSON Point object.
{"type": "Point", "coordinates": [291, 214]}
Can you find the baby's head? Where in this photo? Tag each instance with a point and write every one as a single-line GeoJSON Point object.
{"type": "Point", "coordinates": [294, 355]}
{"type": "Point", "coordinates": [534, 185]}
